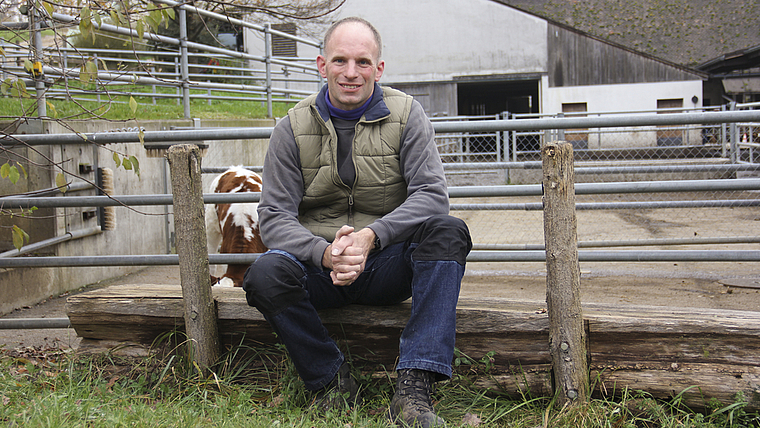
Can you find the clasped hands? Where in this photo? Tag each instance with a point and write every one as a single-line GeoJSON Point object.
{"type": "Point", "coordinates": [347, 254]}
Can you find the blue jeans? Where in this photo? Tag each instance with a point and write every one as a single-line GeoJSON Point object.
{"type": "Point", "coordinates": [289, 293]}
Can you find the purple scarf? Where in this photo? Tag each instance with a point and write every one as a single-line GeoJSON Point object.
{"type": "Point", "coordinates": [354, 114]}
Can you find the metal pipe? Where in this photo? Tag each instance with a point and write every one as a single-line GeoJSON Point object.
{"type": "Point", "coordinates": [621, 256]}
{"type": "Point", "coordinates": [586, 206]}
{"type": "Point", "coordinates": [124, 200]}
{"type": "Point", "coordinates": [268, 67]}
{"type": "Point", "coordinates": [580, 169]}
{"type": "Point", "coordinates": [235, 21]}
{"type": "Point", "coordinates": [35, 18]}
{"type": "Point", "coordinates": [68, 236]}
{"type": "Point", "coordinates": [76, 186]}
{"type": "Point", "coordinates": [612, 187]}
{"type": "Point", "coordinates": [33, 323]}
{"type": "Point", "coordinates": [134, 136]}
{"type": "Point", "coordinates": [628, 243]}
{"type": "Point", "coordinates": [183, 62]}
{"type": "Point", "coordinates": [475, 126]}
{"type": "Point", "coordinates": [454, 192]}
{"type": "Point", "coordinates": [221, 169]}
{"type": "Point", "coordinates": [598, 122]}
{"type": "Point", "coordinates": [474, 256]}
{"type": "Point", "coordinates": [120, 260]}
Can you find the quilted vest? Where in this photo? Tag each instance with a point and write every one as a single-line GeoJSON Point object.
{"type": "Point", "coordinates": [379, 188]}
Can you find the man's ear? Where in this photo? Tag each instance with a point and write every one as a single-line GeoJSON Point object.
{"type": "Point", "coordinates": [380, 68]}
{"type": "Point", "coordinates": [322, 66]}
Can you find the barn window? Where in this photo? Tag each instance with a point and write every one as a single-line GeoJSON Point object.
{"type": "Point", "coordinates": [281, 45]}
{"type": "Point", "coordinates": [669, 135]}
{"type": "Point", "coordinates": [579, 137]}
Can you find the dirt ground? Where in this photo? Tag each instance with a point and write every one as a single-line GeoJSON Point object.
{"type": "Point", "coordinates": [730, 286]}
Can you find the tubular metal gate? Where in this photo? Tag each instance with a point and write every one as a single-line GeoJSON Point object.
{"type": "Point", "coordinates": [232, 75]}
{"type": "Point", "coordinates": [641, 204]}
{"type": "Point", "coordinates": [627, 202]}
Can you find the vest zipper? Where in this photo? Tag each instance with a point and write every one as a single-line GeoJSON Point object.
{"type": "Point", "coordinates": [351, 208]}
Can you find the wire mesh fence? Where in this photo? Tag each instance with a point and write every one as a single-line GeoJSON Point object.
{"type": "Point", "coordinates": [718, 219]}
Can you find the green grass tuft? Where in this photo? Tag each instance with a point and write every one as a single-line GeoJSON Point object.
{"type": "Point", "coordinates": [258, 387]}
{"type": "Point", "coordinates": [118, 108]}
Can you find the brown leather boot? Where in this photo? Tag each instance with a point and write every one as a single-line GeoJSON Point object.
{"type": "Point", "coordinates": [411, 405]}
{"type": "Point", "coordinates": [342, 392]}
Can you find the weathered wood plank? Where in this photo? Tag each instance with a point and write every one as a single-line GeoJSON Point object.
{"type": "Point", "coordinates": [701, 382]}
{"type": "Point", "coordinates": [739, 349]}
{"type": "Point", "coordinates": [696, 383]}
{"type": "Point", "coordinates": [661, 350]}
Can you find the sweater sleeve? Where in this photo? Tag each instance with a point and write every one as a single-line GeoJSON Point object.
{"type": "Point", "coordinates": [427, 193]}
{"type": "Point", "coordinates": [280, 197]}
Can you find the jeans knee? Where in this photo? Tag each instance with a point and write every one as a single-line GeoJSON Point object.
{"type": "Point", "coordinates": [273, 282]}
{"type": "Point", "coordinates": [443, 237]}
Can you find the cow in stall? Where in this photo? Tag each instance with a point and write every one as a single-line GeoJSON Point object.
{"type": "Point", "coordinates": [234, 228]}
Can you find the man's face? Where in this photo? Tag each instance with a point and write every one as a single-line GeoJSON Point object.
{"type": "Point", "coordinates": [350, 65]}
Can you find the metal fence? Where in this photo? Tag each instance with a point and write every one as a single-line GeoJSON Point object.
{"type": "Point", "coordinates": [174, 69]}
{"type": "Point", "coordinates": [679, 204]}
{"type": "Point", "coordinates": [607, 143]}
{"type": "Point", "coordinates": [664, 151]}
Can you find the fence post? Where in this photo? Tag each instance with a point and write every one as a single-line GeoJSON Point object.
{"type": "Point", "coordinates": [567, 333]}
{"type": "Point", "coordinates": [184, 61]}
{"type": "Point", "coordinates": [35, 39]}
{"type": "Point", "coordinates": [190, 231]}
{"type": "Point", "coordinates": [268, 66]}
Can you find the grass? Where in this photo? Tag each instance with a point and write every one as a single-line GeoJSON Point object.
{"type": "Point", "coordinates": [118, 108]}
{"type": "Point", "coordinates": [259, 388]}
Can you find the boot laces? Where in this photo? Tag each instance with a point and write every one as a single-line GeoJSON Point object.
{"type": "Point", "coordinates": [417, 388]}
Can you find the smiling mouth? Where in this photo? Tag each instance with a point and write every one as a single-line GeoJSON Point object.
{"type": "Point", "coordinates": [350, 86]}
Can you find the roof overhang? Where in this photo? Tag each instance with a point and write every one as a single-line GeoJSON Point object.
{"type": "Point", "coordinates": [741, 85]}
{"type": "Point", "coordinates": [743, 59]}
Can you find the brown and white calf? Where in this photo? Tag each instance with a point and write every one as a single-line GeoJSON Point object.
{"type": "Point", "coordinates": [234, 228]}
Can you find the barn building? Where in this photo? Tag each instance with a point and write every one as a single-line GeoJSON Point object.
{"type": "Point", "coordinates": [483, 57]}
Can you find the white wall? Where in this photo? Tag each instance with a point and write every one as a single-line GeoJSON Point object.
{"type": "Point", "coordinates": [426, 40]}
{"type": "Point", "coordinates": [630, 97]}
{"type": "Point", "coordinates": [618, 98]}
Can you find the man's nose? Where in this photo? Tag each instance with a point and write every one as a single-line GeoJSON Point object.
{"type": "Point", "coordinates": [351, 70]}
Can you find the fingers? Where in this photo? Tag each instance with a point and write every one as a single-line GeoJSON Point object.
{"type": "Point", "coordinates": [347, 266]}
{"type": "Point", "coordinates": [343, 239]}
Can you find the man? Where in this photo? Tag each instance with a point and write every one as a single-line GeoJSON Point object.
{"type": "Point", "coordinates": [355, 211]}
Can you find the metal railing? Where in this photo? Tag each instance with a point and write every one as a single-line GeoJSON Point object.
{"type": "Point", "coordinates": [706, 196]}
{"type": "Point", "coordinates": [495, 209]}
{"type": "Point", "coordinates": [235, 77]}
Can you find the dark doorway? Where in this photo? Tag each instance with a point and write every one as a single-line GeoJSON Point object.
{"type": "Point", "coordinates": [496, 97]}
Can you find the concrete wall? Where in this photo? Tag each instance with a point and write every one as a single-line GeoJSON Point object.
{"type": "Point", "coordinates": [139, 230]}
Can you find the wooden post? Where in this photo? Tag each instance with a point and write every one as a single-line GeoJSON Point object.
{"type": "Point", "coordinates": [567, 335]}
{"type": "Point", "coordinates": [190, 230]}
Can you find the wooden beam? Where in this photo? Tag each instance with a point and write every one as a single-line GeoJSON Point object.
{"type": "Point", "coordinates": [661, 350]}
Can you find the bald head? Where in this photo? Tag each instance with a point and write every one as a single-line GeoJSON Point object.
{"type": "Point", "coordinates": [354, 20]}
